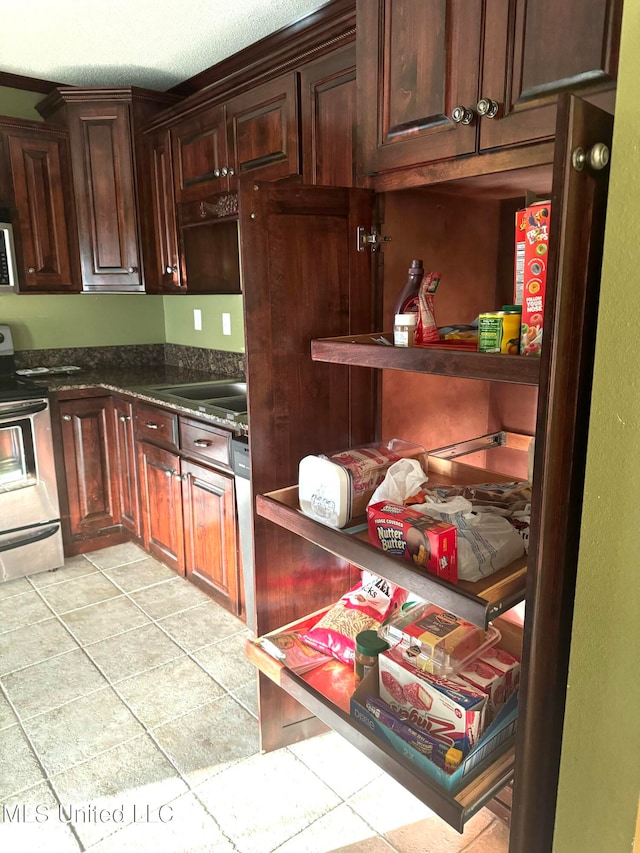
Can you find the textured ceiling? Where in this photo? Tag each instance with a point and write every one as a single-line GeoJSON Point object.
{"type": "Point", "coordinates": [151, 43]}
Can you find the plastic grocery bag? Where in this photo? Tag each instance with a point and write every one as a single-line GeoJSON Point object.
{"type": "Point", "coordinates": [486, 541]}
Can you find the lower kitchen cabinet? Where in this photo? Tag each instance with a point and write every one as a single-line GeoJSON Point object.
{"type": "Point", "coordinates": [89, 494]}
{"type": "Point", "coordinates": [161, 504]}
{"type": "Point", "coordinates": [124, 460]}
{"type": "Point", "coordinates": [210, 541]}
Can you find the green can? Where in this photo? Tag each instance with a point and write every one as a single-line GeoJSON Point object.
{"type": "Point", "coordinates": [499, 332]}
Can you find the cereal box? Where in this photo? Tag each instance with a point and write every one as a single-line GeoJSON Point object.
{"type": "Point", "coordinates": [518, 261]}
{"type": "Point", "coordinates": [431, 544]}
{"type": "Point", "coordinates": [535, 276]}
{"type": "Point", "coordinates": [446, 711]}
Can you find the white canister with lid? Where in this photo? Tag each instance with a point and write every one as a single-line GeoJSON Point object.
{"type": "Point", "coordinates": [404, 329]}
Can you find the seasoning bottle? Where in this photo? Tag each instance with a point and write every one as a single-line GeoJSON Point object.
{"type": "Point", "coordinates": [368, 646]}
{"type": "Point", "coordinates": [404, 329]}
{"type": "Point", "coordinates": [408, 299]}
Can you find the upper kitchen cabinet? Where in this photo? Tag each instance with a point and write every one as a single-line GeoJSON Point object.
{"type": "Point", "coordinates": [328, 117]}
{"type": "Point", "coordinates": [201, 161]}
{"type": "Point", "coordinates": [167, 259]}
{"type": "Point", "coordinates": [442, 79]}
{"type": "Point", "coordinates": [40, 178]}
{"type": "Point", "coordinates": [114, 239]}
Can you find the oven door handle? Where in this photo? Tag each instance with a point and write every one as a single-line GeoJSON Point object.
{"type": "Point", "coordinates": [28, 539]}
{"type": "Point", "coordinates": [14, 410]}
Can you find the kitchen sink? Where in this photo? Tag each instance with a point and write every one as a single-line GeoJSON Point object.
{"type": "Point", "coordinates": [224, 398]}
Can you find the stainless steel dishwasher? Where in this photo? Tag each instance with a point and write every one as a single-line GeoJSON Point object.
{"type": "Point", "coordinates": [244, 503]}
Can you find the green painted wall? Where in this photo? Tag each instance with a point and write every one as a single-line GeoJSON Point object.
{"type": "Point", "coordinates": [178, 320]}
{"type": "Point", "coordinates": [20, 104]}
{"type": "Point", "coordinates": [600, 768]}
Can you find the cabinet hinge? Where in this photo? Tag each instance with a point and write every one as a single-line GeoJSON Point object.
{"type": "Point", "coordinates": [372, 240]}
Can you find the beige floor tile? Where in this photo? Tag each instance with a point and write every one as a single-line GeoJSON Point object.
{"type": "Point", "coordinates": [227, 662]}
{"type": "Point", "coordinates": [339, 830]}
{"type": "Point", "coordinates": [208, 740]}
{"type": "Point", "coordinates": [19, 768]}
{"type": "Point", "coordinates": [117, 555]}
{"type": "Point", "coordinates": [165, 599]}
{"type": "Point", "coordinates": [26, 646]}
{"type": "Point", "coordinates": [339, 764]}
{"type": "Point", "coordinates": [182, 826]}
{"type": "Point", "coordinates": [201, 625]}
{"type": "Point", "coordinates": [133, 652]}
{"type": "Point", "coordinates": [52, 682]}
{"type": "Point", "coordinates": [80, 730]}
{"type": "Point", "coordinates": [247, 696]}
{"type": "Point", "coordinates": [266, 800]}
{"type": "Point", "coordinates": [14, 587]}
{"type": "Point", "coordinates": [134, 774]}
{"type": "Point", "coordinates": [33, 823]}
{"type": "Point", "coordinates": [494, 840]}
{"type": "Point", "coordinates": [74, 567]}
{"type": "Point", "coordinates": [140, 574]}
{"type": "Point", "coordinates": [433, 835]}
{"type": "Point", "coordinates": [79, 592]}
{"type": "Point", "coordinates": [105, 619]}
{"type": "Point", "coordinates": [169, 691]}
{"type": "Point", "coordinates": [7, 717]}
{"type": "Point", "coordinates": [21, 610]}
{"type": "Point", "coordinates": [385, 805]}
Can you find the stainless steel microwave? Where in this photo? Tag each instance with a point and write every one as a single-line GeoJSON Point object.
{"type": "Point", "coordinates": [8, 270]}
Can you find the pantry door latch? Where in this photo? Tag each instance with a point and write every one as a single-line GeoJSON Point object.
{"type": "Point", "coordinates": [372, 240]}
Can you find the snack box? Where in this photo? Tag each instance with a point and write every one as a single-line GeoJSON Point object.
{"type": "Point", "coordinates": [443, 709]}
{"type": "Point", "coordinates": [337, 487]}
{"type": "Point", "coordinates": [498, 737]}
{"type": "Point", "coordinates": [519, 261]}
{"type": "Point", "coordinates": [436, 641]}
{"type": "Point", "coordinates": [481, 676]}
{"type": "Point", "coordinates": [404, 532]}
{"type": "Point", "coordinates": [506, 663]}
{"type": "Point", "coordinates": [536, 259]}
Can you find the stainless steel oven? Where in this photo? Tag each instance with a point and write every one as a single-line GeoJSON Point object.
{"type": "Point", "coordinates": [30, 532]}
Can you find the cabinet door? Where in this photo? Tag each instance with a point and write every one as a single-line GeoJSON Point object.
{"type": "Point", "coordinates": [533, 51]}
{"type": "Point", "coordinates": [103, 173]}
{"type": "Point", "coordinates": [89, 474]}
{"type": "Point", "coordinates": [416, 62]}
{"type": "Point", "coordinates": [161, 504]}
{"type": "Point", "coordinates": [200, 155]}
{"type": "Point", "coordinates": [41, 176]}
{"type": "Point", "coordinates": [263, 130]}
{"type": "Point", "coordinates": [327, 117]}
{"type": "Point", "coordinates": [124, 461]}
{"type": "Point", "coordinates": [210, 532]}
{"type": "Point", "coordinates": [164, 214]}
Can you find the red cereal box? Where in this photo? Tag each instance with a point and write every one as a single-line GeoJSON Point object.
{"type": "Point", "coordinates": [518, 261]}
{"type": "Point", "coordinates": [535, 276]}
{"type": "Point", "coordinates": [431, 544]}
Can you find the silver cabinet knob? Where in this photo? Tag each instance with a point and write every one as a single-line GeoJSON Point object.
{"type": "Point", "coordinates": [487, 108]}
{"type": "Point", "coordinates": [216, 173]}
{"type": "Point", "coordinates": [462, 115]}
{"type": "Point", "coordinates": [31, 270]}
{"type": "Point", "coordinates": [232, 171]}
{"type": "Point", "coordinates": [132, 269]}
{"type": "Point", "coordinates": [596, 157]}
{"type": "Point", "coordinates": [66, 417]}
{"type": "Point", "coordinates": [224, 171]}
{"type": "Point", "coordinates": [151, 425]}
{"type": "Point", "coordinates": [172, 270]}
{"type": "Point", "coordinates": [169, 472]}
{"type": "Point", "coordinates": [124, 418]}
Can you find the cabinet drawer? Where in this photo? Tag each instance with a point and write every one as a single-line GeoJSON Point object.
{"type": "Point", "coordinates": [156, 426]}
{"type": "Point", "coordinates": [204, 441]}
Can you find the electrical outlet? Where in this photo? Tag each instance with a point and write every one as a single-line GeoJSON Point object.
{"type": "Point", "coordinates": [197, 319]}
{"type": "Point", "coordinates": [226, 324]}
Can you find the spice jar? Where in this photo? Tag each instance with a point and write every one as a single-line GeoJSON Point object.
{"type": "Point", "coordinates": [404, 329]}
{"type": "Point", "coordinates": [368, 646]}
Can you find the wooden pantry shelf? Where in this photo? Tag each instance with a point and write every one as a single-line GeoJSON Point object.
{"type": "Point", "coordinates": [371, 351]}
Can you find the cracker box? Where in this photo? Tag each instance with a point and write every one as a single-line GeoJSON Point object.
{"type": "Point", "coordinates": [444, 710]}
{"type": "Point", "coordinates": [404, 532]}
{"type": "Point", "coordinates": [536, 258]}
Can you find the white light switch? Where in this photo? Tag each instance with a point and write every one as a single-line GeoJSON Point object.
{"type": "Point", "coordinates": [226, 324]}
{"type": "Point", "coordinates": [197, 319]}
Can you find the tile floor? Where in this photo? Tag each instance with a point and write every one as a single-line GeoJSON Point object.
{"type": "Point", "coordinates": [128, 723]}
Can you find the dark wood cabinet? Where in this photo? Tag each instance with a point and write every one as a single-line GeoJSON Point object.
{"type": "Point", "coordinates": [200, 154]}
{"type": "Point", "coordinates": [123, 455]}
{"type": "Point", "coordinates": [302, 566]}
{"type": "Point", "coordinates": [439, 80]}
{"type": "Point", "coordinates": [328, 118]}
{"type": "Point", "coordinates": [163, 210]}
{"type": "Point", "coordinates": [89, 499]}
{"type": "Point", "coordinates": [161, 504]}
{"type": "Point", "coordinates": [210, 539]}
{"type": "Point", "coordinates": [41, 181]}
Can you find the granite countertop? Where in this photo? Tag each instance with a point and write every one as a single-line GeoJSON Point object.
{"type": "Point", "coordinates": [138, 382]}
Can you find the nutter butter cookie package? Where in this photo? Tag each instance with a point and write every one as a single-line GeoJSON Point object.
{"type": "Point", "coordinates": [429, 543]}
